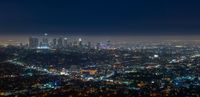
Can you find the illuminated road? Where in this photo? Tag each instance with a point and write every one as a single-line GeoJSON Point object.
{"type": "Point", "coordinates": [33, 67]}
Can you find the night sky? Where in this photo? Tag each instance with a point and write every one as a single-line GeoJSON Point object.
{"type": "Point", "coordinates": [99, 17]}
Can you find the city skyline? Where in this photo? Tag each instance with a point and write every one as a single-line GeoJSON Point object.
{"type": "Point", "coordinates": [97, 38]}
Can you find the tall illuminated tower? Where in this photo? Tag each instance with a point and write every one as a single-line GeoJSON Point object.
{"type": "Point", "coordinates": [80, 42]}
{"type": "Point", "coordinates": [45, 41]}
{"type": "Point", "coordinates": [65, 44]}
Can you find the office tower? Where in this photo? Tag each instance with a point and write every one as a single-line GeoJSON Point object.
{"type": "Point", "coordinates": [80, 42]}
{"type": "Point", "coordinates": [65, 44]}
{"type": "Point", "coordinates": [54, 43]}
{"type": "Point", "coordinates": [75, 44]}
{"type": "Point", "coordinates": [40, 45]}
{"type": "Point", "coordinates": [45, 41]}
{"type": "Point", "coordinates": [60, 43]}
{"type": "Point", "coordinates": [33, 42]}
{"type": "Point", "coordinates": [89, 45]}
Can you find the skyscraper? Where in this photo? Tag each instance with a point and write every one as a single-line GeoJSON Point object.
{"type": "Point", "coordinates": [80, 42]}
{"type": "Point", "coordinates": [44, 44]}
{"type": "Point", "coordinates": [33, 42]}
{"type": "Point", "coordinates": [89, 45]}
{"type": "Point", "coordinates": [60, 42]}
{"type": "Point", "coordinates": [65, 43]}
{"type": "Point", "coordinates": [54, 43]}
{"type": "Point", "coordinates": [45, 41]}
